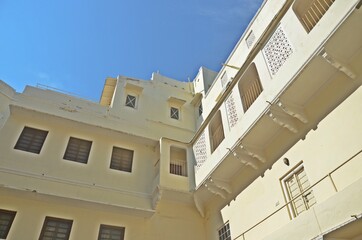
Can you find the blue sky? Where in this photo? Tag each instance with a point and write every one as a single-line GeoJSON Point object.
{"type": "Point", "coordinates": [74, 45]}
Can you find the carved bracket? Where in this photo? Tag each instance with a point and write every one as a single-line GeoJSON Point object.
{"type": "Point", "coordinates": [254, 152]}
{"type": "Point", "coordinates": [218, 187]}
{"type": "Point", "coordinates": [338, 64]}
{"type": "Point", "coordinates": [282, 118]}
{"type": "Point", "coordinates": [293, 110]}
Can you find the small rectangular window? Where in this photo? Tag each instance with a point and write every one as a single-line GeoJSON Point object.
{"type": "Point", "coordinates": [77, 150]}
{"type": "Point", "coordinates": [56, 229]}
{"type": "Point", "coordinates": [175, 113]}
{"type": "Point", "coordinates": [6, 220]}
{"type": "Point", "coordinates": [224, 232]}
{"type": "Point", "coordinates": [131, 101]}
{"type": "Point", "coordinates": [107, 232]}
{"type": "Point", "coordinates": [121, 159]}
{"type": "Point", "coordinates": [31, 140]}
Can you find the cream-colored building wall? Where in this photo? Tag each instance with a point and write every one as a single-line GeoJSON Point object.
{"type": "Point", "coordinates": [336, 140]}
{"type": "Point", "coordinates": [172, 220]}
{"type": "Point", "coordinates": [151, 116]}
{"type": "Point", "coordinates": [47, 170]}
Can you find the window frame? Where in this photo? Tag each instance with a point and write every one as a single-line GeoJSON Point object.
{"type": "Point", "coordinates": [110, 227]}
{"type": "Point", "coordinates": [131, 103]}
{"type": "Point", "coordinates": [70, 158]}
{"type": "Point", "coordinates": [120, 168]}
{"type": "Point", "coordinates": [8, 225]}
{"type": "Point", "coordinates": [286, 191]}
{"type": "Point", "coordinates": [33, 133]}
{"type": "Point", "coordinates": [173, 111]}
{"type": "Point", "coordinates": [58, 221]}
{"type": "Point", "coordinates": [224, 229]}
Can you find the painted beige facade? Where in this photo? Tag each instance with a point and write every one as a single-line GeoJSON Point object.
{"type": "Point", "coordinates": [269, 147]}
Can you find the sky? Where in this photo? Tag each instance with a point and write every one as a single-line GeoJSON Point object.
{"type": "Point", "coordinates": [73, 45]}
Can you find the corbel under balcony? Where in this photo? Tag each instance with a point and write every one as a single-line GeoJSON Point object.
{"type": "Point", "coordinates": [339, 65]}
{"type": "Point", "coordinates": [293, 110]}
{"type": "Point", "coordinates": [283, 119]}
{"type": "Point", "coordinates": [218, 187]}
{"type": "Point", "coordinates": [246, 159]}
{"type": "Point", "coordinates": [156, 196]}
{"type": "Point", "coordinates": [254, 152]}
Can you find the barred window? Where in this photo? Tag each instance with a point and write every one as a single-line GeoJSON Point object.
{"type": "Point", "coordinates": [111, 232]}
{"type": "Point", "coordinates": [178, 161]}
{"type": "Point", "coordinates": [31, 140]}
{"type": "Point", "coordinates": [77, 150]}
{"type": "Point", "coordinates": [131, 101]}
{"type": "Point", "coordinates": [175, 114]}
{"type": "Point", "coordinates": [6, 220]}
{"type": "Point", "coordinates": [56, 229]}
{"type": "Point", "coordinates": [224, 232]}
{"type": "Point", "coordinates": [122, 159]}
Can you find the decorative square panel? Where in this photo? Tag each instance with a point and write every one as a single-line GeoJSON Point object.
{"type": "Point", "coordinates": [200, 151]}
{"type": "Point", "coordinates": [277, 50]}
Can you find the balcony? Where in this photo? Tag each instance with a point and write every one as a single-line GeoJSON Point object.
{"type": "Point", "coordinates": [283, 98]}
{"type": "Point", "coordinates": [171, 173]}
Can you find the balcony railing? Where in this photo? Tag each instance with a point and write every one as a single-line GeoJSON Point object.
{"type": "Point", "coordinates": [178, 167]}
{"type": "Point", "coordinates": [328, 176]}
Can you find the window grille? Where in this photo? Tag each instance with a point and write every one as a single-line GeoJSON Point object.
{"type": "Point", "coordinates": [121, 159]}
{"type": "Point", "coordinates": [131, 101]}
{"type": "Point", "coordinates": [31, 140]}
{"type": "Point", "coordinates": [6, 220]}
{"type": "Point", "coordinates": [111, 232]}
{"type": "Point", "coordinates": [56, 229]}
{"type": "Point", "coordinates": [216, 131]}
{"type": "Point", "coordinates": [178, 161]}
{"type": "Point", "coordinates": [175, 113]}
{"type": "Point", "coordinates": [77, 150]}
{"type": "Point", "coordinates": [295, 183]}
{"type": "Point", "coordinates": [224, 232]}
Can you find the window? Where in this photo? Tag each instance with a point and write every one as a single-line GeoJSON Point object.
{"type": "Point", "coordinates": [111, 232]}
{"type": "Point", "coordinates": [294, 184]}
{"type": "Point", "coordinates": [178, 162]}
{"type": "Point", "coordinates": [77, 150]}
{"type": "Point", "coordinates": [250, 87]}
{"type": "Point", "coordinates": [200, 109]}
{"type": "Point", "coordinates": [309, 12]}
{"type": "Point", "coordinates": [121, 159]}
{"type": "Point", "coordinates": [56, 229]}
{"type": "Point", "coordinates": [131, 101]}
{"type": "Point", "coordinates": [6, 220]}
{"type": "Point", "coordinates": [216, 131]}
{"type": "Point", "coordinates": [31, 140]}
{"type": "Point", "coordinates": [224, 232]}
{"type": "Point", "coordinates": [174, 113]}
